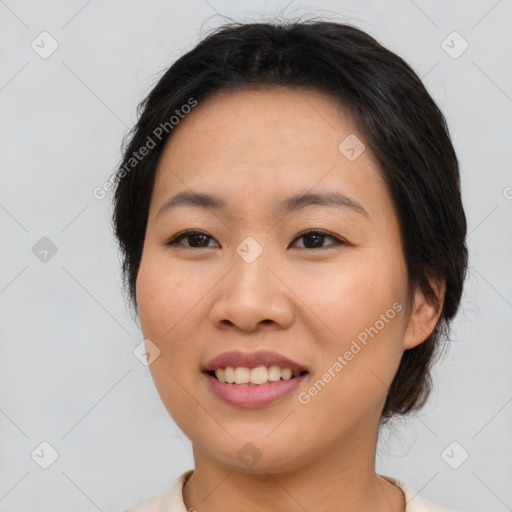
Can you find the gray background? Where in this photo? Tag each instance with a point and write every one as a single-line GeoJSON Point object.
{"type": "Point", "coordinates": [68, 375]}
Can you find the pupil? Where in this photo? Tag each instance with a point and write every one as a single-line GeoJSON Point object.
{"type": "Point", "coordinates": [196, 237]}
{"type": "Point", "coordinates": [314, 236]}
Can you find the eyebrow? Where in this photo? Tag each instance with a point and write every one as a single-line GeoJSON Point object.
{"type": "Point", "coordinates": [292, 203]}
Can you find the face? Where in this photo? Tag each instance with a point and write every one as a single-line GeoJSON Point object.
{"type": "Point", "coordinates": [250, 278]}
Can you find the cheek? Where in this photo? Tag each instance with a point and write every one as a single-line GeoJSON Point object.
{"type": "Point", "coordinates": [363, 306]}
{"type": "Point", "coordinates": [351, 297]}
{"type": "Point", "coordinates": [162, 297]}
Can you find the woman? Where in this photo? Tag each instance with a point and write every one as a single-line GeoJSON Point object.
{"type": "Point", "coordinates": [293, 235]}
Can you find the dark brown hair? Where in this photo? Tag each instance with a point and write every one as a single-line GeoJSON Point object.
{"type": "Point", "coordinates": [400, 122]}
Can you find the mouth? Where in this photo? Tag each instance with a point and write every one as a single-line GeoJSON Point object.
{"type": "Point", "coordinates": [256, 379]}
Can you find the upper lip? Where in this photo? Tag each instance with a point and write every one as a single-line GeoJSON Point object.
{"type": "Point", "coordinates": [252, 360]}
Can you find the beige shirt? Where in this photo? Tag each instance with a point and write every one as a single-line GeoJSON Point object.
{"type": "Point", "coordinates": [172, 499]}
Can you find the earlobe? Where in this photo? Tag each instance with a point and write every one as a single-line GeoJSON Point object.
{"type": "Point", "coordinates": [424, 315]}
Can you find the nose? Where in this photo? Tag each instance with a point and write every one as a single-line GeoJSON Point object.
{"type": "Point", "coordinates": [253, 296]}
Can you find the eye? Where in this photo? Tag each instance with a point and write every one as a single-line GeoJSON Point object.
{"type": "Point", "coordinates": [198, 239]}
{"type": "Point", "coordinates": [316, 237]}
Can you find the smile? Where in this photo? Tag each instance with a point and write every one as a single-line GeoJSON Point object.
{"type": "Point", "coordinates": [260, 375]}
{"type": "Point", "coordinates": [251, 395]}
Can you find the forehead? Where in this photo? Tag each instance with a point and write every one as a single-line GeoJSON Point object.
{"type": "Point", "coordinates": [255, 143]}
{"type": "Point", "coordinates": [255, 116]}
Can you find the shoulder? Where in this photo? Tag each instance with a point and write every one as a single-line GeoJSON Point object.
{"type": "Point", "coordinates": [150, 505]}
{"type": "Point", "coordinates": [169, 501]}
{"type": "Point", "coordinates": [414, 502]}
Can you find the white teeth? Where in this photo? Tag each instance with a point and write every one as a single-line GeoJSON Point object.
{"type": "Point", "coordinates": [242, 375]}
{"type": "Point", "coordinates": [229, 375]}
{"type": "Point", "coordinates": [258, 375]}
{"type": "Point", "coordinates": [274, 373]}
{"type": "Point", "coordinates": [286, 373]}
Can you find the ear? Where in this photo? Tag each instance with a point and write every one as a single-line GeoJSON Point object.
{"type": "Point", "coordinates": [424, 315]}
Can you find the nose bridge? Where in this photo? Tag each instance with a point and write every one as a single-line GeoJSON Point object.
{"type": "Point", "coordinates": [250, 272]}
{"type": "Point", "coordinates": [251, 293]}
{"type": "Point", "coordinates": [250, 250]}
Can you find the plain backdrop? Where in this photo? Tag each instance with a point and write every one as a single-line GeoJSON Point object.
{"type": "Point", "coordinates": [71, 75]}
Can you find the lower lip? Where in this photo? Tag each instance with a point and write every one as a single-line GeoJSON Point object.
{"type": "Point", "coordinates": [259, 395]}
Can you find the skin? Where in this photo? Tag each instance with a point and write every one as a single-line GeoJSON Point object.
{"type": "Point", "coordinates": [253, 148]}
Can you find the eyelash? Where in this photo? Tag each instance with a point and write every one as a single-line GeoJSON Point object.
{"type": "Point", "coordinates": [185, 234]}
